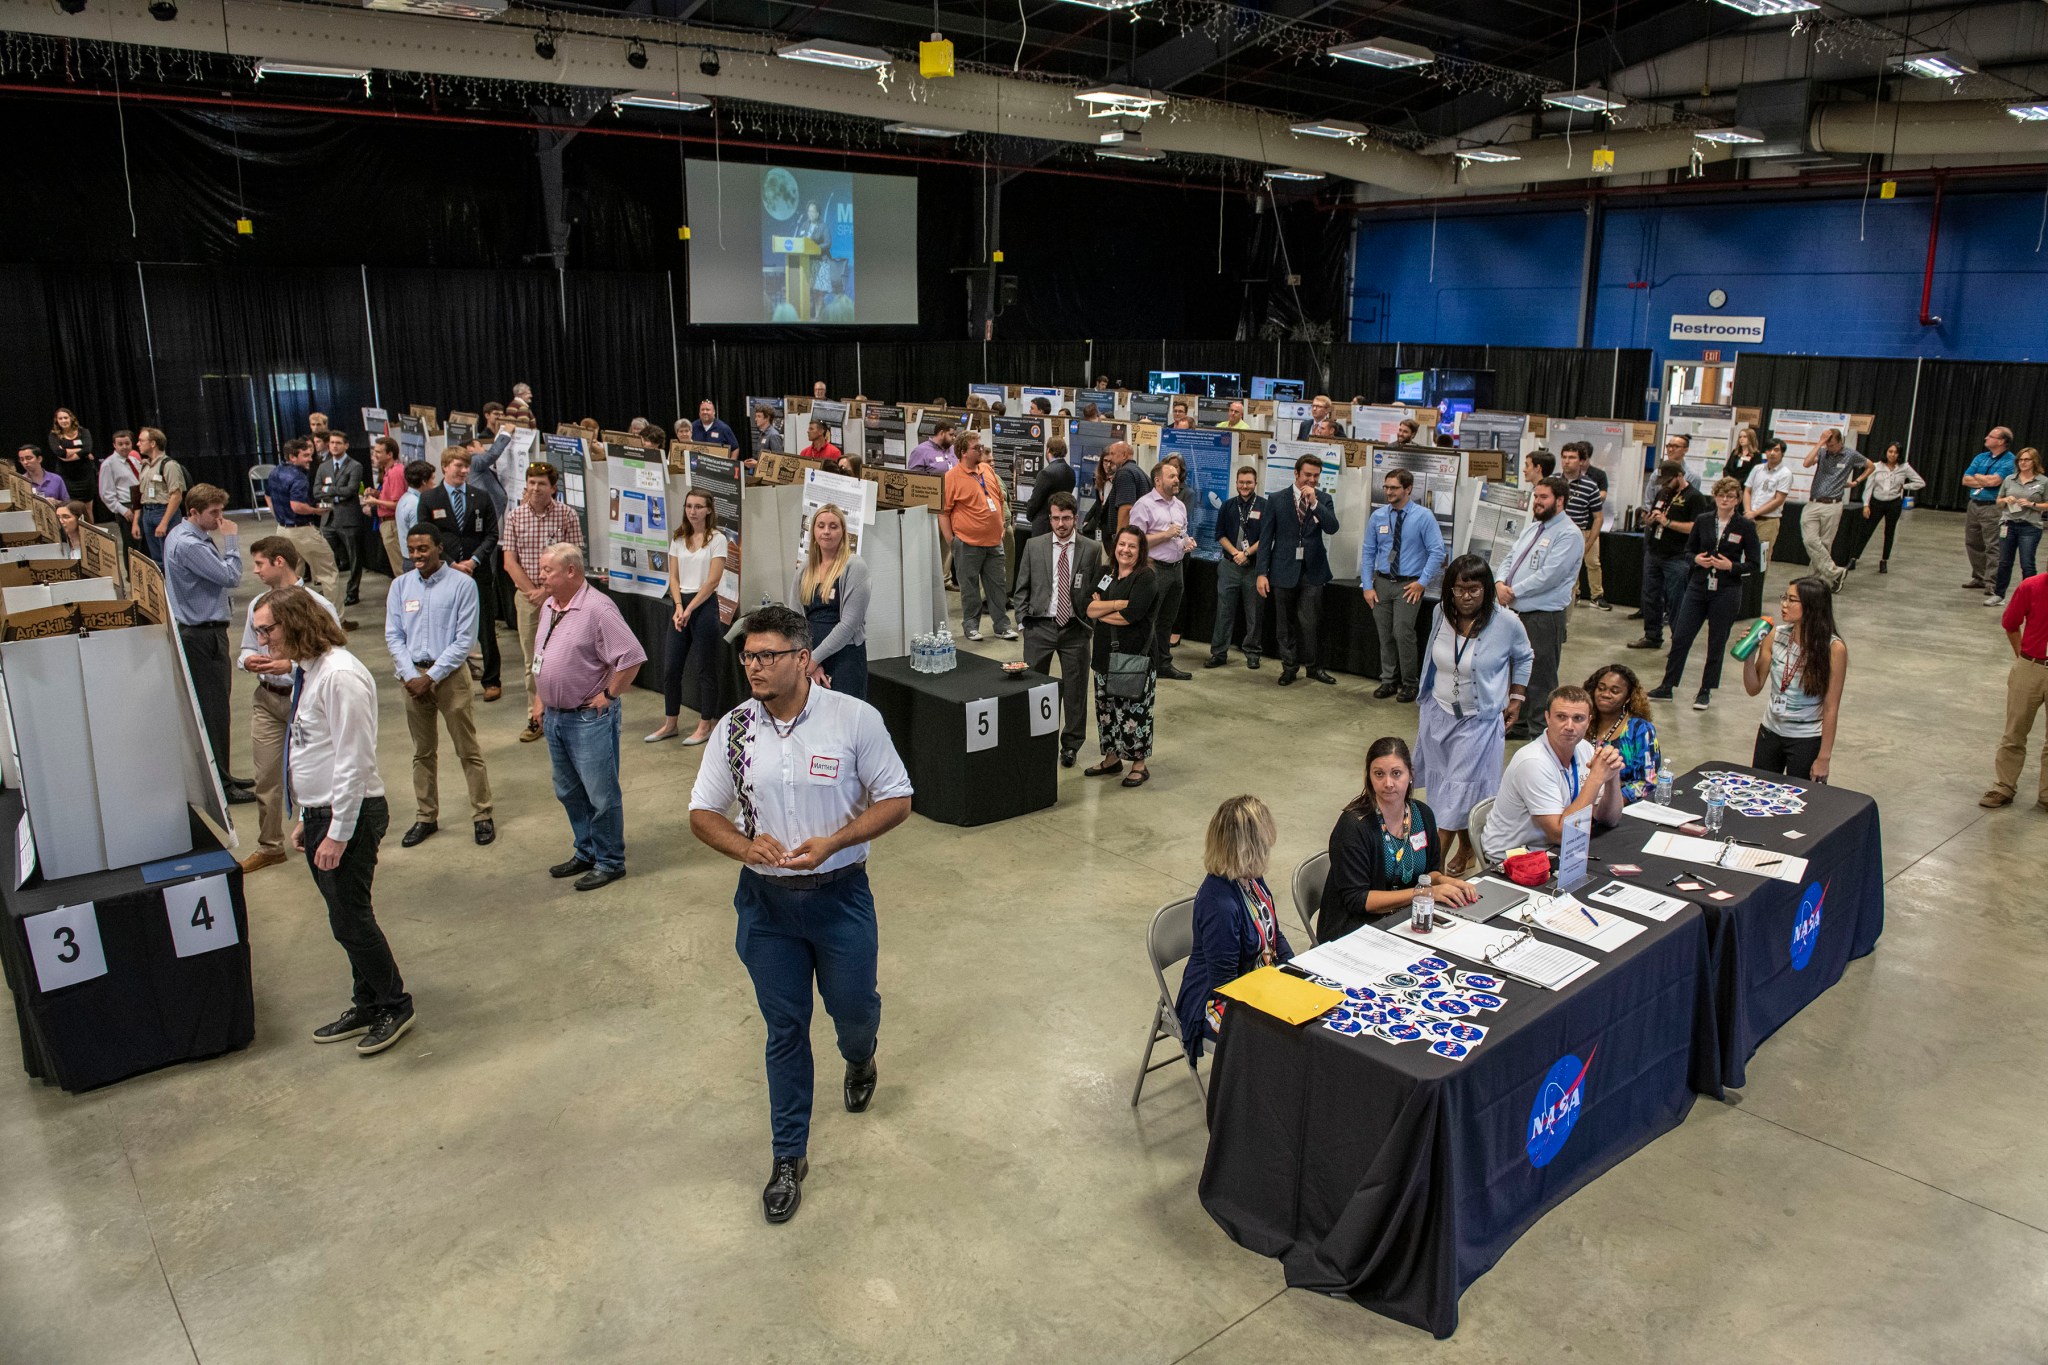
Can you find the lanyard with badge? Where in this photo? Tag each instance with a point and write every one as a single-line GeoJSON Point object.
{"type": "Point", "coordinates": [986, 496]}
{"type": "Point", "coordinates": [1258, 903]}
{"type": "Point", "coordinates": [541, 646]}
{"type": "Point", "coordinates": [1571, 774]}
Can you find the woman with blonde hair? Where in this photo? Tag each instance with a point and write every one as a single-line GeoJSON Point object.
{"type": "Point", "coordinates": [1237, 928]}
{"type": "Point", "coordinates": [2024, 496]}
{"type": "Point", "coordinates": [696, 566]}
{"type": "Point", "coordinates": [832, 591]}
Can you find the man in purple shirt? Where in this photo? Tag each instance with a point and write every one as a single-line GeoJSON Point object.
{"type": "Point", "coordinates": [584, 659]}
{"type": "Point", "coordinates": [49, 485]}
{"type": "Point", "coordinates": [1163, 517]}
{"type": "Point", "coordinates": [934, 456]}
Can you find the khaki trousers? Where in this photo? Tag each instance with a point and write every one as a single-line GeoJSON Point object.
{"type": "Point", "coordinates": [387, 531]}
{"type": "Point", "coordinates": [450, 700]}
{"type": "Point", "coordinates": [1595, 579]}
{"type": "Point", "coordinates": [321, 572]}
{"type": "Point", "coordinates": [1817, 526]}
{"type": "Point", "coordinates": [1767, 532]}
{"type": "Point", "coordinates": [269, 712]}
{"type": "Point", "coordinates": [529, 626]}
{"type": "Point", "coordinates": [2026, 692]}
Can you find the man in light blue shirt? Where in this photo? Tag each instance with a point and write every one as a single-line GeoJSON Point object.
{"type": "Point", "coordinates": [197, 579]}
{"type": "Point", "coordinates": [1537, 584]}
{"type": "Point", "coordinates": [1403, 554]}
{"type": "Point", "coordinates": [430, 622]}
{"type": "Point", "coordinates": [1991, 468]}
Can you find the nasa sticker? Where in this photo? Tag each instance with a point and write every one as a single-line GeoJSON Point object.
{"type": "Point", "coordinates": [1479, 981]}
{"type": "Point", "coordinates": [1449, 1047]}
{"type": "Point", "coordinates": [1464, 1033]}
{"type": "Point", "coordinates": [1555, 1111]}
{"type": "Point", "coordinates": [1325, 982]}
{"type": "Point", "coordinates": [1455, 1006]}
{"type": "Point", "coordinates": [1399, 1014]}
{"type": "Point", "coordinates": [1361, 994]}
{"type": "Point", "coordinates": [1806, 926]}
{"type": "Point", "coordinates": [1402, 980]}
{"type": "Point", "coordinates": [1429, 964]}
{"type": "Point", "coordinates": [1346, 1024]}
{"type": "Point", "coordinates": [1485, 1000]}
{"type": "Point", "coordinates": [1399, 1033]}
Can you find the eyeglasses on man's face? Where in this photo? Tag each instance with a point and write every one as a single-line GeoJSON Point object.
{"type": "Point", "coordinates": [764, 657]}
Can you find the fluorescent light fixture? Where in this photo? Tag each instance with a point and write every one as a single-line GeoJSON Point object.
{"type": "Point", "coordinates": [827, 52]}
{"type": "Point", "coordinates": [1112, 137]}
{"type": "Point", "coordinates": [271, 67]}
{"type": "Point", "coordinates": [1760, 8]}
{"type": "Point", "coordinates": [1728, 137]}
{"type": "Point", "coordinates": [1121, 99]}
{"type": "Point", "coordinates": [1281, 173]}
{"type": "Point", "coordinates": [1944, 65]}
{"type": "Point", "coordinates": [922, 130]}
{"type": "Point", "coordinates": [1591, 100]}
{"type": "Point", "coordinates": [660, 99]}
{"type": "Point", "coordinates": [1331, 127]}
{"type": "Point", "coordinates": [1130, 154]}
{"type": "Point", "coordinates": [1487, 154]}
{"type": "Point", "coordinates": [2029, 113]}
{"type": "Point", "coordinates": [444, 9]}
{"type": "Point", "coordinates": [1389, 54]}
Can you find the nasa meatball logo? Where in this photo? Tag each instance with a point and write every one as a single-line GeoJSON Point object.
{"type": "Point", "coordinates": [1556, 1111]}
{"type": "Point", "coordinates": [1806, 926]}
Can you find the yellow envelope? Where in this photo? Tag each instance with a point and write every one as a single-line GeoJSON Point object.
{"type": "Point", "coordinates": [1282, 995]}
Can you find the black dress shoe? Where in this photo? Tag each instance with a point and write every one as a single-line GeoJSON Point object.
{"type": "Point", "coordinates": [598, 876]}
{"type": "Point", "coordinates": [1645, 642]}
{"type": "Point", "coordinates": [860, 1086]}
{"type": "Point", "coordinates": [486, 831]}
{"type": "Point", "coordinates": [1385, 690]}
{"type": "Point", "coordinates": [418, 833]}
{"type": "Point", "coordinates": [1405, 695]}
{"type": "Point", "coordinates": [1321, 675]}
{"type": "Point", "coordinates": [1066, 758]}
{"type": "Point", "coordinates": [1635, 616]}
{"type": "Point", "coordinates": [1217, 661]}
{"type": "Point", "coordinates": [1177, 674]}
{"type": "Point", "coordinates": [1287, 676]}
{"type": "Point", "coordinates": [575, 867]}
{"type": "Point", "coordinates": [1251, 661]}
{"type": "Point", "coordinates": [247, 784]}
{"type": "Point", "coordinates": [785, 1188]}
{"type": "Point", "coordinates": [239, 796]}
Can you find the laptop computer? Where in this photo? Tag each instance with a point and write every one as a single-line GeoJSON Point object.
{"type": "Point", "coordinates": [1496, 897]}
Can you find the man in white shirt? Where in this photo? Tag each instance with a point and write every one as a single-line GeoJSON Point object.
{"type": "Point", "coordinates": [331, 776]}
{"type": "Point", "coordinates": [816, 778]}
{"type": "Point", "coordinates": [120, 482]}
{"type": "Point", "coordinates": [1763, 497]}
{"type": "Point", "coordinates": [1552, 778]}
{"type": "Point", "coordinates": [276, 564]}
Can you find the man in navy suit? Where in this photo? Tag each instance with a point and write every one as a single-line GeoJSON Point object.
{"type": "Point", "coordinates": [1294, 564]}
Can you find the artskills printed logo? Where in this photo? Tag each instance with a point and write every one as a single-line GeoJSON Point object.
{"type": "Point", "coordinates": [1806, 926]}
{"type": "Point", "coordinates": [1556, 1111]}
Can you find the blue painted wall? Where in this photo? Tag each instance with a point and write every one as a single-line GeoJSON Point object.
{"type": "Point", "coordinates": [1512, 279]}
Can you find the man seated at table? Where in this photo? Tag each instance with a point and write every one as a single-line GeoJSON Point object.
{"type": "Point", "coordinates": [1553, 777]}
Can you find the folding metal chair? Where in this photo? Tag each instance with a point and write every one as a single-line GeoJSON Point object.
{"type": "Point", "coordinates": [1168, 943]}
{"type": "Point", "coordinates": [1476, 825]}
{"type": "Point", "coordinates": [259, 500]}
{"type": "Point", "coordinates": [1308, 891]}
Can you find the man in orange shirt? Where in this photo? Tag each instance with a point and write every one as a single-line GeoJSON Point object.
{"type": "Point", "coordinates": [971, 517]}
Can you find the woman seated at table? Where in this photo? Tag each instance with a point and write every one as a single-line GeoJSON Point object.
{"type": "Point", "coordinates": [1236, 927]}
{"type": "Point", "coordinates": [1621, 718]}
{"type": "Point", "coordinates": [832, 591]}
{"type": "Point", "coordinates": [1383, 846]}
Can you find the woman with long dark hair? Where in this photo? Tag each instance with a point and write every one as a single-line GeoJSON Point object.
{"type": "Point", "coordinates": [1621, 721]}
{"type": "Point", "coordinates": [1475, 677]}
{"type": "Point", "coordinates": [1121, 607]}
{"type": "Point", "coordinates": [1384, 845]}
{"type": "Point", "coordinates": [1800, 667]}
{"type": "Point", "coordinates": [1886, 495]}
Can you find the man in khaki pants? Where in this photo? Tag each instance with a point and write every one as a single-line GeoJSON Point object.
{"type": "Point", "coordinates": [2026, 689]}
{"type": "Point", "coordinates": [536, 523]}
{"type": "Point", "coordinates": [387, 477]}
{"type": "Point", "coordinates": [277, 563]}
{"type": "Point", "coordinates": [430, 622]}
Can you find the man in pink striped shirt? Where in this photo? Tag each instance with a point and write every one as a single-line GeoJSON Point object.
{"type": "Point", "coordinates": [584, 659]}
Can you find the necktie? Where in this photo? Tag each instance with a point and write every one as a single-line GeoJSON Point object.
{"type": "Point", "coordinates": [460, 502]}
{"type": "Point", "coordinates": [1062, 604]}
{"type": "Point", "coordinates": [1301, 511]}
{"type": "Point", "coordinates": [291, 722]}
{"type": "Point", "coordinates": [1394, 560]}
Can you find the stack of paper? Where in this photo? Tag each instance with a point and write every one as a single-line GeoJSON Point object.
{"type": "Point", "coordinates": [1656, 814]}
{"type": "Point", "coordinates": [1724, 853]}
{"type": "Point", "coordinates": [1567, 917]}
{"type": "Point", "coordinates": [1363, 957]}
{"type": "Point", "coordinates": [1539, 964]}
{"type": "Point", "coordinates": [1636, 900]}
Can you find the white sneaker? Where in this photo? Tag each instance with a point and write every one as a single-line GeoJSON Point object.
{"type": "Point", "coordinates": [1006, 635]}
{"type": "Point", "coordinates": [1992, 599]}
{"type": "Point", "coordinates": [974, 632]}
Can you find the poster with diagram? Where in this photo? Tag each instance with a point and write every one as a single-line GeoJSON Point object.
{"type": "Point", "coordinates": [637, 526]}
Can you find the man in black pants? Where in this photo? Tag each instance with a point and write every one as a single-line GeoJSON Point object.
{"type": "Point", "coordinates": [468, 524]}
{"type": "Point", "coordinates": [330, 774]}
{"type": "Point", "coordinates": [1054, 573]}
{"type": "Point", "coordinates": [198, 576]}
{"type": "Point", "coordinates": [1294, 567]}
{"type": "Point", "coordinates": [1675, 508]}
{"type": "Point", "coordinates": [338, 486]}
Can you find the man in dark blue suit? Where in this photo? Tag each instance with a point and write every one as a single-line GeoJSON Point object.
{"type": "Point", "coordinates": [1294, 564]}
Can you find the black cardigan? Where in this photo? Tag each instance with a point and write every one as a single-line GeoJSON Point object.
{"type": "Point", "coordinates": [1748, 556]}
{"type": "Point", "coordinates": [1358, 866]}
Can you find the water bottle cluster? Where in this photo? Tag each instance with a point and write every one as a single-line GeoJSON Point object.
{"type": "Point", "coordinates": [934, 652]}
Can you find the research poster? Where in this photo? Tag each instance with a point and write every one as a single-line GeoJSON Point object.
{"type": "Point", "coordinates": [1498, 519]}
{"type": "Point", "coordinates": [376, 422]}
{"type": "Point", "coordinates": [854, 498]}
{"type": "Point", "coordinates": [412, 438]}
{"type": "Point", "coordinates": [1102, 400]}
{"type": "Point", "coordinates": [882, 437]}
{"type": "Point", "coordinates": [1281, 455]}
{"type": "Point", "coordinates": [719, 476]}
{"type": "Point", "coordinates": [565, 453]}
{"type": "Point", "coordinates": [1016, 451]}
{"type": "Point", "coordinates": [637, 524]}
{"type": "Point", "coordinates": [1381, 424]}
{"type": "Point", "coordinates": [1502, 431]}
{"type": "Point", "coordinates": [1085, 443]}
{"type": "Point", "coordinates": [1151, 407]}
{"type": "Point", "coordinates": [995, 395]}
{"type": "Point", "coordinates": [1207, 455]}
{"type": "Point", "coordinates": [1711, 430]}
{"type": "Point", "coordinates": [1055, 399]}
{"type": "Point", "coordinates": [1801, 431]}
{"type": "Point", "coordinates": [833, 414]}
{"type": "Point", "coordinates": [1436, 480]}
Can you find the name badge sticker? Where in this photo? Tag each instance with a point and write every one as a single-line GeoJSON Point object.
{"type": "Point", "coordinates": [822, 766]}
{"type": "Point", "coordinates": [440, 514]}
{"type": "Point", "coordinates": [1418, 840]}
{"type": "Point", "coordinates": [412, 604]}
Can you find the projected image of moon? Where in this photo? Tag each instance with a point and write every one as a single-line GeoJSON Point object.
{"type": "Point", "coordinates": [779, 195]}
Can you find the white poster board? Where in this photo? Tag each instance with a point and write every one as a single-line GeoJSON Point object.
{"type": "Point", "coordinates": [1615, 453]}
{"type": "Point", "coordinates": [1495, 516]}
{"type": "Point", "coordinates": [1801, 430]}
{"type": "Point", "coordinates": [636, 522]}
{"type": "Point", "coordinates": [1711, 430]}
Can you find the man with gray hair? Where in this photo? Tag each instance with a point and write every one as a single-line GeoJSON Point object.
{"type": "Point", "coordinates": [1987, 471]}
{"type": "Point", "coordinates": [584, 659]}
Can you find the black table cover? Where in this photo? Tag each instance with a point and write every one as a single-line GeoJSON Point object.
{"type": "Point", "coordinates": [1397, 1177]}
{"type": "Point", "coordinates": [152, 1008]}
{"type": "Point", "coordinates": [927, 717]}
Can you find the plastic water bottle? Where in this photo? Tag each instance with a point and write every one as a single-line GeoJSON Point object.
{"type": "Point", "coordinates": [920, 661]}
{"type": "Point", "coordinates": [1717, 804]}
{"type": "Point", "coordinates": [949, 656]}
{"type": "Point", "coordinates": [1664, 785]}
{"type": "Point", "coordinates": [1422, 907]}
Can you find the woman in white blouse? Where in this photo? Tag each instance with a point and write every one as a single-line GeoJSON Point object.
{"type": "Point", "coordinates": [1885, 495]}
{"type": "Point", "coordinates": [696, 566]}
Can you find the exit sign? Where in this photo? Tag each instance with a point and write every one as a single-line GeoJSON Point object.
{"type": "Point", "coordinates": [1711, 357]}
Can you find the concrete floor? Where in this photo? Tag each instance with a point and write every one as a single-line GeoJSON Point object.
{"type": "Point", "coordinates": [562, 1161]}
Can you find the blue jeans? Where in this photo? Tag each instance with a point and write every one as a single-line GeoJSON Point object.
{"type": "Point", "coordinates": [785, 937]}
{"type": "Point", "coordinates": [584, 745]}
{"type": "Point", "coordinates": [1664, 578]}
{"type": "Point", "coordinates": [2019, 539]}
{"type": "Point", "coordinates": [152, 543]}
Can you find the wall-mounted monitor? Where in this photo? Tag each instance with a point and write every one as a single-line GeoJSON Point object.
{"type": "Point", "coordinates": [1203, 383]}
{"type": "Point", "coordinates": [1409, 386]}
{"type": "Point", "coordinates": [1282, 390]}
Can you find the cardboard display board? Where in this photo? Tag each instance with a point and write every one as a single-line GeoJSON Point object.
{"type": "Point", "coordinates": [884, 432]}
{"type": "Point", "coordinates": [100, 554]}
{"type": "Point", "coordinates": [717, 473]}
{"type": "Point", "coordinates": [896, 488]}
{"type": "Point", "coordinates": [146, 583]}
{"type": "Point", "coordinates": [1711, 430]}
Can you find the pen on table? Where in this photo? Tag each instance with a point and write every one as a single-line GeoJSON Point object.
{"type": "Point", "coordinates": [1589, 917]}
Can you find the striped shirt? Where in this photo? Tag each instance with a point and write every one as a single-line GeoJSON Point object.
{"type": "Point", "coordinates": [1582, 501]}
{"type": "Point", "coordinates": [527, 533]}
